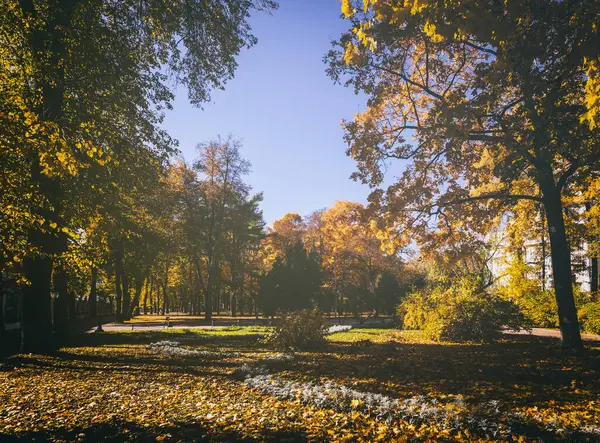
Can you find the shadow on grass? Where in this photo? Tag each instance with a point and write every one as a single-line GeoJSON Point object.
{"type": "Point", "coordinates": [521, 370]}
{"type": "Point", "coordinates": [85, 363]}
{"type": "Point", "coordinates": [147, 337]}
{"type": "Point", "coordinates": [128, 431]}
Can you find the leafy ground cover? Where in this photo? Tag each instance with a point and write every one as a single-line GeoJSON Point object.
{"type": "Point", "coordinates": [365, 385]}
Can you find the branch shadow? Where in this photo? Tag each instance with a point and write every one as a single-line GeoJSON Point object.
{"type": "Point", "coordinates": [123, 431]}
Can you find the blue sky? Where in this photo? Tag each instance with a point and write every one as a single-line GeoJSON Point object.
{"type": "Point", "coordinates": [285, 109]}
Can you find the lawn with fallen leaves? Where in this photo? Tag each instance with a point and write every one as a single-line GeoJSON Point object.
{"type": "Point", "coordinates": [365, 385]}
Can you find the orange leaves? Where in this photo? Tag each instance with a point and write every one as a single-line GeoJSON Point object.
{"type": "Point", "coordinates": [351, 54]}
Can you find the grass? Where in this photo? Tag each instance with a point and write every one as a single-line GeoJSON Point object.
{"type": "Point", "coordinates": [115, 387]}
{"type": "Point", "coordinates": [184, 318]}
{"type": "Point", "coordinates": [228, 331]}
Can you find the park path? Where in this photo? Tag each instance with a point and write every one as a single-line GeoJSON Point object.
{"type": "Point", "coordinates": [152, 327]}
{"type": "Point", "coordinates": [545, 332]}
{"type": "Point", "coordinates": [159, 326]}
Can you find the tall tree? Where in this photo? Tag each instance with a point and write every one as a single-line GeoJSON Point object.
{"type": "Point", "coordinates": [496, 98]}
{"type": "Point", "coordinates": [90, 84]}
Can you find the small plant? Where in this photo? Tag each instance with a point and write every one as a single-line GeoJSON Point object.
{"type": "Point", "coordinates": [300, 330]}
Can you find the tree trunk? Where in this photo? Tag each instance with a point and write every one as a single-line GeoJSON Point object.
{"type": "Point", "coordinates": [594, 275]}
{"type": "Point", "coordinates": [61, 307]}
{"type": "Point", "coordinates": [165, 301]}
{"type": "Point", "coordinates": [93, 297]}
{"type": "Point", "coordinates": [118, 284]}
{"type": "Point", "coordinates": [126, 313]}
{"type": "Point", "coordinates": [36, 334]}
{"type": "Point", "coordinates": [1, 313]}
{"type": "Point", "coordinates": [218, 295]}
{"type": "Point", "coordinates": [201, 287]}
{"type": "Point", "coordinates": [157, 300]}
{"type": "Point", "coordinates": [561, 268]}
{"type": "Point", "coordinates": [233, 304]}
{"type": "Point", "coordinates": [208, 296]}
{"type": "Point", "coordinates": [593, 264]}
{"type": "Point", "coordinates": [72, 301]}
{"type": "Point", "coordinates": [139, 284]}
{"type": "Point", "coordinates": [543, 215]}
{"type": "Point", "coordinates": [147, 293]}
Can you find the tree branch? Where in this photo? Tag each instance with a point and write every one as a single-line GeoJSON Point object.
{"type": "Point", "coordinates": [412, 82]}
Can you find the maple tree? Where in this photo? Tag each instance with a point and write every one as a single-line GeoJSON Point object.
{"type": "Point", "coordinates": [501, 101]}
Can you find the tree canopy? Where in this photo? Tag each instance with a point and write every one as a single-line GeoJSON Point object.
{"type": "Point", "coordinates": [499, 100]}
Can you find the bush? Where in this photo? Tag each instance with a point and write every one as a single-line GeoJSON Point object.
{"type": "Point", "coordinates": [461, 312]}
{"type": "Point", "coordinates": [538, 305]}
{"type": "Point", "coordinates": [589, 316]}
{"type": "Point", "coordinates": [300, 330]}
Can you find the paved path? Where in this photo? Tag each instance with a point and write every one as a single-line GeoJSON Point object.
{"type": "Point", "coordinates": [544, 332]}
{"type": "Point", "coordinates": [153, 327]}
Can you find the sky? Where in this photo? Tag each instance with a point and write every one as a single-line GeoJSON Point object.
{"type": "Point", "coordinates": [285, 110]}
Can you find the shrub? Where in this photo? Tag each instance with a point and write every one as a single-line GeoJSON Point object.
{"type": "Point", "coordinates": [589, 316]}
{"type": "Point", "coordinates": [414, 310]}
{"type": "Point", "coordinates": [300, 330]}
{"type": "Point", "coordinates": [477, 318]}
{"type": "Point", "coordinates": [460, 312]}
{"type": "Point", "coordinates": [538, 305]}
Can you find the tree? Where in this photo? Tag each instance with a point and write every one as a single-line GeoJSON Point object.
{"type": "Point", "coordinates": [87, 89]}
{"type": "Point", "coordinates": [388, 293]}
{"type": "Point", "coordinates": [292, 284]}
{"type": "Point", "coordinates": [285, 232]}
{"type": "Point", "coordinates": [244, 227]}
{"type": "Point", "coordinates": [498, 102]}
{"type": "Point", "coordinates": [356, 252]}
{"type": "Point", "coordinates": [221, 169]}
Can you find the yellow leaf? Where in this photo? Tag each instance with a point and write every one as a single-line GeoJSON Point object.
{"type": "Point", "coordinates": [347, 9]}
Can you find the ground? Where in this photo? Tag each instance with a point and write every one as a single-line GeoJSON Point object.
{"type": "Point", "coordinates": [364, 385]}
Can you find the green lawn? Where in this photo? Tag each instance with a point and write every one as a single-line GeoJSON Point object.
{"type": "Point", "coordinates": [365, 385]}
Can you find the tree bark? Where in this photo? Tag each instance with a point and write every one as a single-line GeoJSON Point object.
{"type": "Point", "coordinates": [1, 312]}
{"type": "Point", "coordinates": [61, 307]}
{"type": "Point", "coordinates": [118, 284]}
{"type": "Point", "coordinates": [126, 307]}
{"type": "Point", "coordinates": [561, 267]}
{"type": "Point", "coordinates": [72, 302]}
{"type": "Point", "coordinates": [593, 264]}
{"type": "Point", "coordinates": [165, 300]}
{"type": "Point", "coordinates": [36, 333]}
{"type": "Point", "coordinates": [233, 303]}
{"type": "Point", "coordinates": [208, 295]}
{"type": "Point", "coordinates": [93, 297]}
{"type": "Point", "coordinates": [218, 295]}
{"type": "Point", "coordinates": [147, 293]}
{"type": "Point", "coordinates": [139, 284]}
{"type": "Point", "coordinates": [594, 275]}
